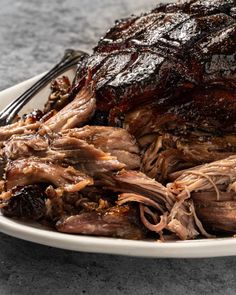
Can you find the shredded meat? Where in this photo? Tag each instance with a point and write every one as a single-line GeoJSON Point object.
{"type": "Point", "coordinates": [75, 114]}
{"type": "Point", "coordinates": [116, 141]}
{"type": "Point", "coordinates": [83, 148]}
{"type": "Point", "coordinates": [29, 171]}
{"type": "Point", "coordinates": [20, 127]}
{"type": "Point", "coordinates": [217, 216]}
{"type": "Point", "coordinates": [117, 221]}
{"type": "Point", "coordinates": [169, 213]}
{"type": "Point", "coordinates": [144, 138]}
{"type": "Point", "coordinates": [206, 177]}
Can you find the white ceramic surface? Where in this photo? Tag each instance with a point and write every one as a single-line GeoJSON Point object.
{"type": "Point", "coordinates": [36, 233]}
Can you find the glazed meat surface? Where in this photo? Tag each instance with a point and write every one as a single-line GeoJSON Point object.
{"type": "Point", "coordinates": [144, 141]}
{"type": "Point", "coordinates": [170, 72]}
{"type": "Point", "coordinates": [180, 57]}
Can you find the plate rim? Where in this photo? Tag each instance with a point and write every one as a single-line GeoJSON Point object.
{"type": "Point", "coordinates": [178, 249]}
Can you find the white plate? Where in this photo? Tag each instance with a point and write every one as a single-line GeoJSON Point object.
{"type": "Point", "coordinates": [38, 234]}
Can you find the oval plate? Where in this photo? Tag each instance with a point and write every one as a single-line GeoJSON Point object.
{"type": "Point", "coordinates": [42, 235]}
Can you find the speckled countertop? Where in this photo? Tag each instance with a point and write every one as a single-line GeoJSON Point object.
{"type": "Point", "coordinates": [33, 35]}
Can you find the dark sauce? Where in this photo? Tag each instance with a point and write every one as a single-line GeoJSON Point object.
{"type": "Point", "coordinates": [99, 118]}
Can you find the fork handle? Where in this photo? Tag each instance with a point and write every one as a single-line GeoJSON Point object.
{"type": "Point", "coordinates": [71, 57]}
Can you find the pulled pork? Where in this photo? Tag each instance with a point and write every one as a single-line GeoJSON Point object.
{"type": "Point", "coordinates": [142, 143]}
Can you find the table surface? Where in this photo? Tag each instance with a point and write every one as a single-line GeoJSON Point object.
{"type": "Point", "coordinates": [33, 35]}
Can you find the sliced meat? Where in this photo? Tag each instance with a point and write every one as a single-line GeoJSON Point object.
{"type": "Point", "coordinates": [96, 148]}
{"type": "Point", "coordinates": [118, 221]}
{"type": "Point", "coordinates": [158, 161]}
{"type": "Point", "coordinates": [205, 197]}
{"type": "Point", "coordinates": [23, 146]}
{"type": "Point", "coordinates": [106, 138]}
{"type": "Point", "coordinates": [212, 187]}
{"type": "Point", "coordinates": [159, 217]}
{"type": "Point", "coordinates": [183, 223]}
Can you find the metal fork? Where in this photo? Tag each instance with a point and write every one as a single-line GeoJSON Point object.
{"type": "Point", "coordinates": [70, 59]}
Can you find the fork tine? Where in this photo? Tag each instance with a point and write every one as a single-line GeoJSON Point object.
{"type": "Point", "coordinates": [31, 89]}
{"type": "Point", "coordinates": [39, 84]}
{"type": "Point", "coordinates": [18, 104]}
{"type": "Point", "coordinates": [70, 58]}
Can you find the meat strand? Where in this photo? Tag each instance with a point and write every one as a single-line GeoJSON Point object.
{"type": "Point", "coordinates": [93, 149]}
{"type": "Point", "coordinates": [118, 221]}
{"type": "Point", "coordinates": [24, 172]}
{"type": "Point", "coordinates": [75, 114]}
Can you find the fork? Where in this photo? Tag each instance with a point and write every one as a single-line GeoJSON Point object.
{"type": "Point", "coordinates": [71, 58]}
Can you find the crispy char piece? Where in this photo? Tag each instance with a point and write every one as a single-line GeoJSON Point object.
{"type": "Point", "coordinates": [117, 221]}
{"type": "Point", "coordinates": [25, 172]}
{"type": "Point", "coordinates": [156, 202]}
{"type": "Point", "coordinates": [89, 199]}
{"type": "Point", "coordinates": [162, 55]}
{"type": "Point", "coordinates": [30, 171]}
{"type": "Point", "coordinates": [59, 97]}
{"type": "Point", "coordinates": [26, 202]}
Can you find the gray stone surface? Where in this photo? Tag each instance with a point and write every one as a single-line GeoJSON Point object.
{"type": "Point", "coordinates": [33, 35]}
